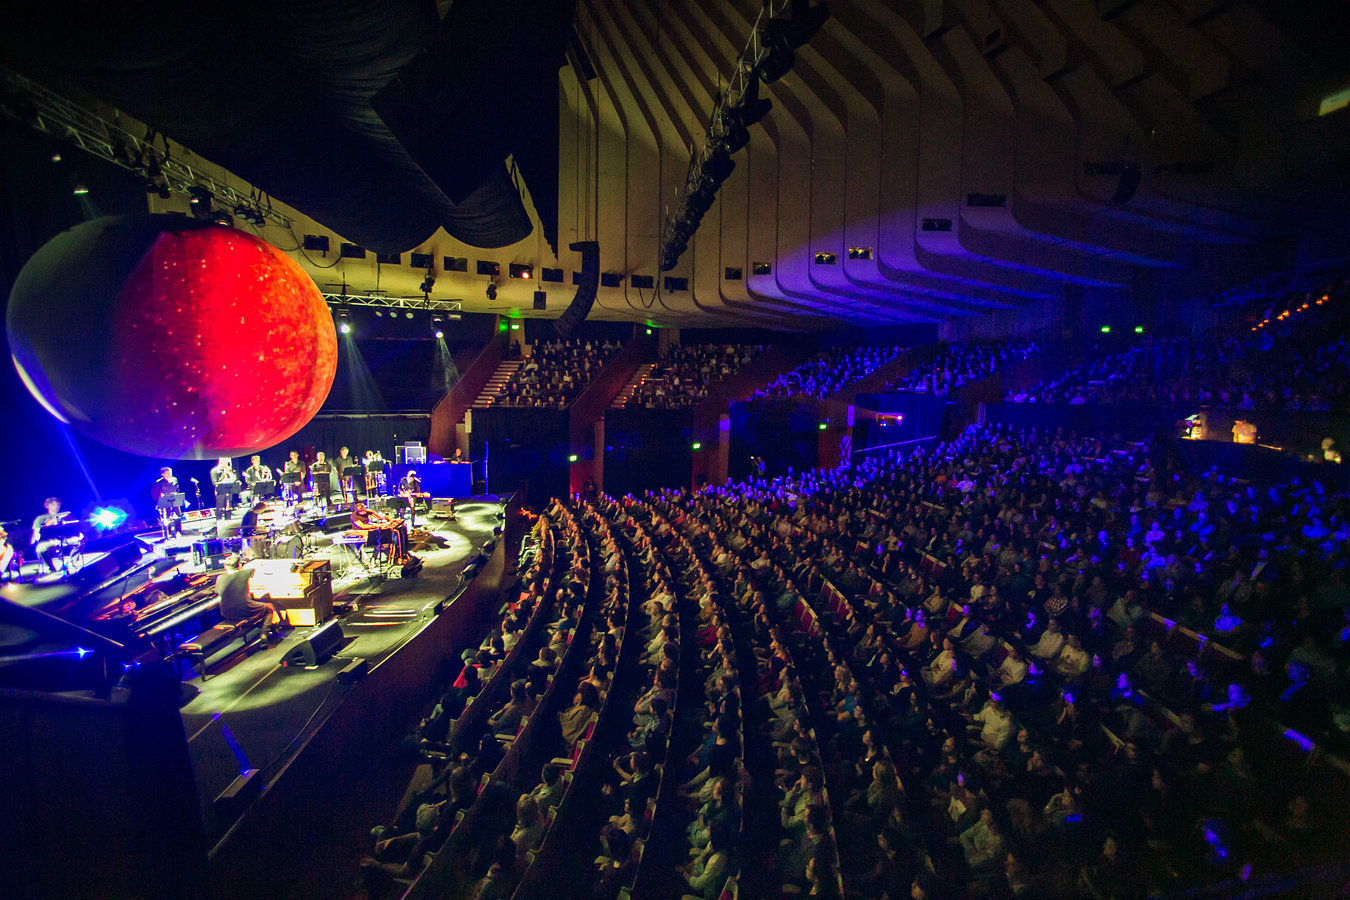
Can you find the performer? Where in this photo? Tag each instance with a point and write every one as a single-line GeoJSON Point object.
{"type": "Point", "coordinates": [170, 517]}
{"type": "Point", "coordinates": [51, 549]}
{"type": "Point", "coordinates": [321, 476]}
{"type": "Point", "coordinates": [346, 485]}
{"type": "Point", "coordinates": [411, 487]}
{"type": "Point", "coordinates": [291, 490]}
{"type": "Point", "coordinates": [366, 519]}
{"type": "Point", "coordinates": [459, 456]}
{"type": "Point", "coordinates": [259, 478]}
{"type": "Point", "coordinates": [224, 478]}
{"type": "Point", "coordinates": [232, 587]}
{"type": "Point", "coordinates": [381, 472]}
{"type": "Point", "coordinates": [7, 555]}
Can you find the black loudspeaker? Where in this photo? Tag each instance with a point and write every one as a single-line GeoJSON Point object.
{"type": "Point", "coordinates": [587, 284]}
{"type": "Point", "coordinates": [316, 648]}
{"type": "Point", "coordinates": [541, 299]}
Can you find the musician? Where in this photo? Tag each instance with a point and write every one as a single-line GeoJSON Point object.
{"type": "Point", "coordinates": [232, 587]}
{"type": "Point", "coordinates": [411, 487]}
{"type": "Point", "coordinates": [321, 474]}
{"type": "Point", "coordinates": [259, 477]}
{"type": "Point", "coordinates": [48, 550]}
{"type": "Point", "coordinates": [459, 456]}
{"type": "Point", "coordinates": [7, 554]}
{"type": "Point", "coordinates": [223, 477]}
{"type": "Point", "coordinates": [293, 466]}
{"type": "Point", "coordinates": [171, 517]}
{"type": "Point", "coordinates": [344, 461]}
{"type": "Point", "coordinates": [366, 519]}
{"type": "Point", "coordinates": [381, 477]}
{"type": "Point", "coordinates": [248, 525]}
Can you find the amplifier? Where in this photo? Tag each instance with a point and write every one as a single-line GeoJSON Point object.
{"type": "Point", "coordinates": [208, 554]}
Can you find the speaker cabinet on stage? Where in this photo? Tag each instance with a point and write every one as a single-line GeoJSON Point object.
{"type": "Point", "coordinates": [208, 554]}
{"type": "Point", "coordinates": [317, 647]}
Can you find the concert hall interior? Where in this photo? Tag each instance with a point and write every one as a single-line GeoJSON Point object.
{"type": "Point", "coordinates": [676, 448]}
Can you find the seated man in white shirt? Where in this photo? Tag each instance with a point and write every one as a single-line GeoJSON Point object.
{"type": "Point", "coordinates": [1073, 660]}
{"type": "Point", "coordinates": [1051, 642]}
{"type": "Point", "coordinates": [1013, 669]}
{"type": "Point", "coordinates": [994, 723]}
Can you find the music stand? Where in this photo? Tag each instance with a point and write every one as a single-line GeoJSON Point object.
{"type": "Point", "coordinates": [349, 474]}
{"type": "Point", "coordinates": [290, 483]}
{"type": "Point", "coordinates": [226, 490]}
{"type": "Point", "coordinates": [170, 508]}
{"type": "Point", "coordinates": [263, 487]}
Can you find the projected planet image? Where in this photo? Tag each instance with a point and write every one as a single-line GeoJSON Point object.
{"type": "Point", "coordinates": [172, 338]}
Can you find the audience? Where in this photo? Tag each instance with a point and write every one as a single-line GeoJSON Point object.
{"type": "Point", "coordinates": [555, 373]}
{"type": "Point", "coordinates": [959, 363]}
{"type": "Point", "coordinates": [685, 372]}
{"type": "Point", "coordinates": [829, 372]}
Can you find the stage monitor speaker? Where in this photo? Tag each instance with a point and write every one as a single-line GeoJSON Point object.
{"type": "Point", "coordinates": [587, 285]}
{"type": "Point", "coordinates": [316, 648]}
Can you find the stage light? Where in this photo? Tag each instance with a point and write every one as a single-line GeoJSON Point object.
{"type": "Point", "coordinates": [344, 323]}
{"type": "Point", "coordinates": [697, 445]}
{"type": "Point", "coordinates": [408, 315]}
{"type": "Point", "coordinates": [521, 270]}
{"type": "Point", "coordinates": [1106, 329]}
{"type": "Point", "coordinates": [107, 517]}
{"type": "Point", "coordinates": [649, 331]}
{"type": "Point", "coordinates": [438, 326]}
{"type": "Point", "coordinates": [80, 190]}
{"type": "Point", "coordinates": [572, 458]}
{"type": "Point", "coordinates": [1139, 329]}
{"type": "Point", "coordinates": [823, 425]}
{"type": "Point", "coordinates": [515, 326]}
{"type": "Point", "coordinates": [56, 157]}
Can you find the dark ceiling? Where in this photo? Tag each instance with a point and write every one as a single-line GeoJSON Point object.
{"type": "Point", "coordinates": [376, 117]}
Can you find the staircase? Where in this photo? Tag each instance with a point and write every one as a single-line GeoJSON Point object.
{"type": "Point", "coordinates": [639, 376]}
{"type": "Point", "coordinates": [500, 377]}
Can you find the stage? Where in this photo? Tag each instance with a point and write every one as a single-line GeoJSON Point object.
{"type": "Point", "coordinates": [251, 713]}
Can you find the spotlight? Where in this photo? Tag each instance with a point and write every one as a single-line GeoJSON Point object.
{"type": "Point", "coordinates": [409, 315]}
{"type": "Point", "coordinates": [344, 323]}
{"type": "Point", "coordinates": [105, 518]}
{"type": "Point", "coordinates": [438, 326]}
{"type": "Point", "coordinates": [379, 314]}
{"type": "Point", "coordinates": [427, 284]}
{"type": "Point", "coordinates": [521, 270]}
{"type": "Point", "coordinates": [199, 198]}
{"type": "Point", "coordinates": [56, 157]}
{"type": "Point", "coordinates": [80, 190]}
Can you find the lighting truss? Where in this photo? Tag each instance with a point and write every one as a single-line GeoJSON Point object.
{"type": "Point", "coordinates": [381, 301]}
{"type": "Point", "coordinates": [50, 113]}
{"type": "Point", "coordinates": [754, 52]}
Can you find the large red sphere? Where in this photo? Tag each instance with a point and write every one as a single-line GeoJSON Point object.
{"type": "Point", "coordinates": [172, 338]}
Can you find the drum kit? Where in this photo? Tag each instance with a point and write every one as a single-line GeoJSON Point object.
{"type": "Point", "coordinates": [279, 535]}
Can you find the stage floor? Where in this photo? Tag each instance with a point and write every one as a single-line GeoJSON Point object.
{"type": "Point", "coordinates": [252, 713]}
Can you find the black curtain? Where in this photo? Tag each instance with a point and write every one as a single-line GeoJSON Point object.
{"type": "Point", "coordinates": [647, 449]}
{"type": "Point", "coordinates": [37, 202]}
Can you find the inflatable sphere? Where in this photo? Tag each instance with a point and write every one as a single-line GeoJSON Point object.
{"type": "Point", "coordinates": [172, 338]}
